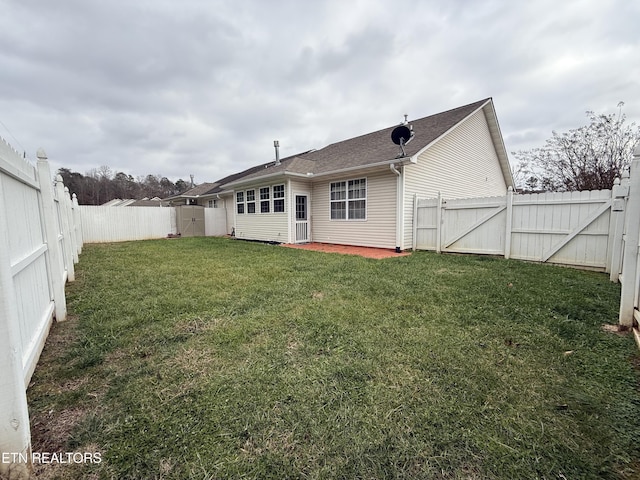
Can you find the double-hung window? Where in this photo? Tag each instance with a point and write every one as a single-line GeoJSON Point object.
{"type": "Point", "coordinates": [264, 200]}
{"type": "Point", "coordinates": [251, 201]}
{"type": "Point", "coordinates": [349, 200]}
{"type": "Point", "coordinates": [240, 202]}
{"type": "Point", "coordinates": [278, 198]}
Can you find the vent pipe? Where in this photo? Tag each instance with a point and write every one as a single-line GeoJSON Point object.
{"type": "Point", "coordinates": [276, 144]}
{"type": "Point", "coordinates": [192, 184]}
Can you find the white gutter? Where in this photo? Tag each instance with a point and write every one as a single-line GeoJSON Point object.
{"type": "Point", "coordinates": [399, 207]}
{"type": "Point", "coordinates": [262, 177]}
{"type": "Point", "coordinates": [396, 161]}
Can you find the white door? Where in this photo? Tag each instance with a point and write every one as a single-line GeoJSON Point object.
{"type": "Point", "coordinates": [302, 218]}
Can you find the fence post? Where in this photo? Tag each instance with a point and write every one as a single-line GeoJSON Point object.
{"type": "Point", "coordinates": [68, 208]}
{"type": "Point", "coordinates": [15, 434]}
{"type": "Point", "coordinates": [509, 221]}
{"type": "Point", "coordinates": [439, 224]}
{"type": "Point", "coordinates": [77, 222]}
{"type": "Point", "coordinates": [619, 194]}
{"type": "Point", "coordinates": [68, 254]}
{"type": "Point", "coordinates": [630, 253]}
{"type": "Point", "coordinates": [54, 255]}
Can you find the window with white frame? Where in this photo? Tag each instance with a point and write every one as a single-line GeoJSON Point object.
{"type": "Point", "coordinates": [278, 198]}
{"type": "Point", "coordinates": [240, 202]}
{"type": "Point", "coordinates": [349, 200]}
{"type": "Point", "coordinates": [264, 200]}
{"type": "Point", "coordinates": [251, 201]}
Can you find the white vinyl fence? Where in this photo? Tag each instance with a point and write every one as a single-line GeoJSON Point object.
{"type": "Point", "coordinates": [215, 222]}
{"type": "Point", "coordinates": [629, 226]}
{"type": "Point", "coordinates": [39, 244]}
{"type": "Point", "coordinates": [570, 228]}
{"type": "Point", "coordinates": [119, 224]}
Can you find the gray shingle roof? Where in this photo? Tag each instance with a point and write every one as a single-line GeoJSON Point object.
{"type": "Point", "coordinates": [198, 190]}
{"type": "Point", "coordinates": [364, 150]}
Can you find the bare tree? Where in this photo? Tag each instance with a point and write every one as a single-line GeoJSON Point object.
{"type": "Point", "coordinates": [587, 158]}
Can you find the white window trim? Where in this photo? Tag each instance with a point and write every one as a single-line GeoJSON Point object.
{"type": "Point", "coordinates": [347, 200]}
{"type": "Point", "coordinates": [283, 198]}
{"type": "Point", "coordinates": [244, 210]}
{"type": "Point", "coordinates": [258, 201]}
{"type": "Point", "coordinates": [263, 200]}
{"type": "Point", "coordinates": [247, 201]}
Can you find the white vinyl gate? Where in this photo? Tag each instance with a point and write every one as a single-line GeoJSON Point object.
{"type": "Point", "coordinates": [571, 228]}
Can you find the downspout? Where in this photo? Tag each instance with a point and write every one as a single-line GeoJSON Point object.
{"type": "Point", "coordinates": [399, 209]}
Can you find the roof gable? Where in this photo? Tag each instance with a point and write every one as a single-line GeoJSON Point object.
{"type": "Point", "coordinates": [375, 148]}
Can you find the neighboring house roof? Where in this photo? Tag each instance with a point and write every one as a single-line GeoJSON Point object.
{"type": "Point", "coordinates": [118, 202]}
{"type": "Point", "coordinates": [146, 202]}
{"type": "Point", "coordinates": [132, 202]}
{"type": "Point", "coordinates": [376, 148]}
{"type": "Point", "coordinates": [193, 192]}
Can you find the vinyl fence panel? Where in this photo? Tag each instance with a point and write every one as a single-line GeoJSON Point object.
{"type": "Point", "coordinates": [119, 224]}
{"type": "Point", "coordinates": [215, 222]}
{"type": "Point", "coordinates": [474, 225]}
{"type": "Point", "coordinates": [630, 276]}
{"type": "Point", "coordinates": [570, 228]}
{"type": "Point", "coordinates": [31, 287]}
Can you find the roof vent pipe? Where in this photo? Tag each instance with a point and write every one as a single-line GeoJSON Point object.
{"type": "Point", "coordinates": [276, 144]}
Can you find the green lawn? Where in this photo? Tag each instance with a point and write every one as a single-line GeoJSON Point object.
{"type": "Point", "coordinates": [212, 358]}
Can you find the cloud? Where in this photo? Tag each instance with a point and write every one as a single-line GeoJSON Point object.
{"type": "Point", "coordinates": [205, 87]}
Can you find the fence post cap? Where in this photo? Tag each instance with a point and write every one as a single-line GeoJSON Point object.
{"type": "Point", "coordinates": [41, 154]}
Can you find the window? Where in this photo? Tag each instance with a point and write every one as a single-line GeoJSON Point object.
{"type": "Point", "coordinates": [240, 202]}
{"type": "Point", "coordinates": [278, 198]}
{"type": "Point", "coordinates": [251, 201]}
{"type": "Point", "coordinates": [212, 203]}
{"type": "Point", "coordinates": [349, 200]}
{"type": "Point", "coordinates": [264, 200]}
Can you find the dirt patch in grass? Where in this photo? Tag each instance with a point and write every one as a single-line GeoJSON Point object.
{"type": "Point", "coordinates": [617, 329]}
{"type": "Point", "coordinates": [50, 431]}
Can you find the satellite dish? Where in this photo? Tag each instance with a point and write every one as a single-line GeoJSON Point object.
{"type": "Point", "coordinates": [401, 135]}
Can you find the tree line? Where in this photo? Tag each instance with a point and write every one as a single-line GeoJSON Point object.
{"type": "Point", "coordinates": [590, 157]}
{"type": "Point", "coordinates": [100, 185]}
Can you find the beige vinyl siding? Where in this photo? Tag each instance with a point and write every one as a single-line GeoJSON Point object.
{"type": "Point", "coordinates": [378, 230]}
{"type": "Point", "coordinates": [266, 227]}
{"type": "Point", "coordinates": [462, 164]}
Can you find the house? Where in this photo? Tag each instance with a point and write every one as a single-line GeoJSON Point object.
{"type": "Point", "coordinates": [361, 191]}
{"type": "Point", "coordinates": [193, 196]}
{"type": "Point", "coordinates": [132, 202]}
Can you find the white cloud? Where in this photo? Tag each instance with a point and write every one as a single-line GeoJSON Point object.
{"type": "Point", "coordinates": [205, 87]}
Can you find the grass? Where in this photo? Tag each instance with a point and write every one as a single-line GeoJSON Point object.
{"type": "Point", "coordinates": [211, 358]}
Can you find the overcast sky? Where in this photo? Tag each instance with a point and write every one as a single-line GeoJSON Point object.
{"type": "Point", "coordinates": [174, 88]}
